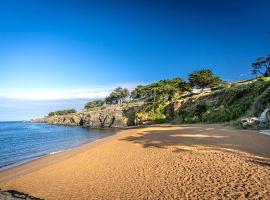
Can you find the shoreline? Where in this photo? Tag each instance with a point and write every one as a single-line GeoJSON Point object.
{"type": "Point", "coordinates": [53, 157]}
{"type": "Point", "coordinates": [48, 159]}
{"type": "Point", "coordinates": [50, 151]}
{"type": "Point", "coordinates": [156, 161]}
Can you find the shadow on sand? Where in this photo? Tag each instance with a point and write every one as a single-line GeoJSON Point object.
{"type": "Point", "coordinates": [216, 138]}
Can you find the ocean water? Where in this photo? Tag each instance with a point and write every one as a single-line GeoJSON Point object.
{"type": "Point", "coordinates": [21, 142]}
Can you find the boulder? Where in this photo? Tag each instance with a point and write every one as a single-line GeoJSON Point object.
{"type": "Point", "coordinates": [265, 116]}
{"type": "Point", "coordinates": [249, 121]}
{"type": "Point", "coordinates": [263, 119]}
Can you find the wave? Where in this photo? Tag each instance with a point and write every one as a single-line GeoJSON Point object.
{"type": "Point", "coordinates": [55, 152]}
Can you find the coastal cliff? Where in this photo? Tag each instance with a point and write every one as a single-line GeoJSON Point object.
{"type": "Point", "coordinates": [111, 116]}
{"type": "Point", "coordinates": [244, 104]}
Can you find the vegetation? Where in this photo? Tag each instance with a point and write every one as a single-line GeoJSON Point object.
{"type": "Point", "coordinates": [164, 90]}
{"type": "Point", "coordinates": [262, 66]}
{"type": "Point", "coordinates": [227, 104]}
{"type": "Point", "coordinates": [117, 96]}
{"type": "Point", "coordinates": [157, 96]}
{"type": "Point", "coordinates": [61, 112]}
{"type": "Point", "coordinates": [94, 104]}
{"type": "Point", "coordinates": [262, 102]}
{"type": "Point", "coordinates": [204, 78]}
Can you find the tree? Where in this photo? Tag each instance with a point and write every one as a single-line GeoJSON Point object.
{"type": "Point", "coordinates": [118, 95]}
{"type": "Point", "coordinates": [262, 66]}
{"type": "Point", "coordinates": [204, 78]}
{"type": "Point", "coordinates": [159, 94]}
{"type": "Point", "coordinates": [141, 92]}
{"type": "Point", "coordinates": [93, 104]}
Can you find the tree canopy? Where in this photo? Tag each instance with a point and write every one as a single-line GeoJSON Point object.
{"type": "Point", "coordinates": [204, 78]}
{"type": "Point", "coordinates": [159, 92]}
{"type": "Point", "coordinates": [93, 104]}
{"type": "Point", "coordinates": [118, 95]}
{"type": "Point", "coordinates": [262, 66]}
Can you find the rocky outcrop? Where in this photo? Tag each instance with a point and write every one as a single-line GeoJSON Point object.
{"type": "Point", "coordinates": [70, 119]}
{"type": "Point", "coordinates": [115, 116]}
{"type": "Point", "coordinates": [15, 195]}
{"type": "Point", "coordinates": [249, 121]}
{"type": "Point", "coordinates": [265, 116]}
{"type": "Point", "coordinates": [264, 119]}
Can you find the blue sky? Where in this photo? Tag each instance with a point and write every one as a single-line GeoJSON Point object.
{"type": "Point", "coordinates": [59, 54]}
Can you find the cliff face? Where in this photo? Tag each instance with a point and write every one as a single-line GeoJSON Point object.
{"type": "Point", "coordinates": [115, 116]}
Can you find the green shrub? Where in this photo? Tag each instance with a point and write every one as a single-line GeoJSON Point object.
{"type": "Point", "coordinates": [227, 105]}
{"type": "Point", "coordinates": [94, 104]}
{"type": "Point", "coordinates": [62, 112]}
{"type": "Point", "coordinates": [262, 102]}
{"type": "Point", "coordinates": [156, 115]}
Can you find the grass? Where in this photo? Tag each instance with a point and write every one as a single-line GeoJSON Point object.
{"type": "Point", "coordinates": [226, 105]}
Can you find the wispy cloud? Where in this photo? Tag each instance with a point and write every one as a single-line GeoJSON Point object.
{"type": "Point", "coordinates": [60, 94]}
{"type": "Point", "coordinates": [26, 104]}
{"type": "Point", "coordinates": [18, 109]}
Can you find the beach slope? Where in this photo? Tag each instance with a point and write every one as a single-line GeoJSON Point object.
{"type": "Point", "coordinates": [156, 162]}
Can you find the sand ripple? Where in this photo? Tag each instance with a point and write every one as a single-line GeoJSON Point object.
{"type": "Point", "coordinates": [159, 162]}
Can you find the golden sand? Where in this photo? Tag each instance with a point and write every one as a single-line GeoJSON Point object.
{"type": "Point", "coordinates": [156, 162]}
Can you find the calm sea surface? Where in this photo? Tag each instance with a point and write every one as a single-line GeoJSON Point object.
{"type": "Point", "coordinates": [21, 142]}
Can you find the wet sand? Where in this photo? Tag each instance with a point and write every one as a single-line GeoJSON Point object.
{"type": "Point", "coordinates": [156, 162]}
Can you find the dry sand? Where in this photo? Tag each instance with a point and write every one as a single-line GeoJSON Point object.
{"type": "Point", "coordinates": [157, 162]}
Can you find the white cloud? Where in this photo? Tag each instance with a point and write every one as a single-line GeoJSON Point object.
{"type": "Point", "coordinates": [60, 94]}
{"type": "Point", "coordinates": [55, 94]}
{"type": "Point", "coordinates": [19, 104]}
{"type": "Point", "coordinates": [19, 109]}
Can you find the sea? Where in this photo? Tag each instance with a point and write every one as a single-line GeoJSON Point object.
{"type": "Point", "coordinates": [21, 142]}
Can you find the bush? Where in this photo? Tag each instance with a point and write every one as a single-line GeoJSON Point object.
{"type": "Point", "coordinates": [227, 104]}
{"type": "Point", "coordinates": [262, 102]}
{"type": "Point", "coordinates": [62, 112]}
{"type": "Point", "coordinates": [94, 104]}
{"type": "Point", "coordinates": [156, 115]}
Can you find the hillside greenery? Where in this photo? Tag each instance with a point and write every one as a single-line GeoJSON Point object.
{"type": "Point", "coordinates": [117, 96]}
{"type": "Point", "coordinates": [157, 96]}
{"type": "Point", "coordinates": [204, 78]}
{"type": "Point", "coordinates": [227, 104]}
{"type": "Point", "coordinates": [94, 104]}
{"type": "Point", "coordinates": [221, 102]}
{"type": "Point", "coordinates": [62, 112]}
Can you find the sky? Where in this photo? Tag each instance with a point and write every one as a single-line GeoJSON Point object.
{"type": "Point", "coordinates": [58, 54]}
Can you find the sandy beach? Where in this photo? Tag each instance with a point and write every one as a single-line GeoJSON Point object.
{"type": "Point", "coordinates": [155, 162]}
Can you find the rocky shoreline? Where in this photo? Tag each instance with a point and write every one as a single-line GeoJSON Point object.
{"type": "Point", "coordinates": [110, 116]}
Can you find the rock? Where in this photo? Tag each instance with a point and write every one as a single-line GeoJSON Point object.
{"type": "Point", "coordinates": [249, 121]}
{"type": "Point", "coordinates": [265, 116]}
{"type": "Point", "coordinates": [115, 116]}
{"type": "Point", "coordinates": [15, 195]}
{"type": "Point", "coordinates": [264, 119]}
